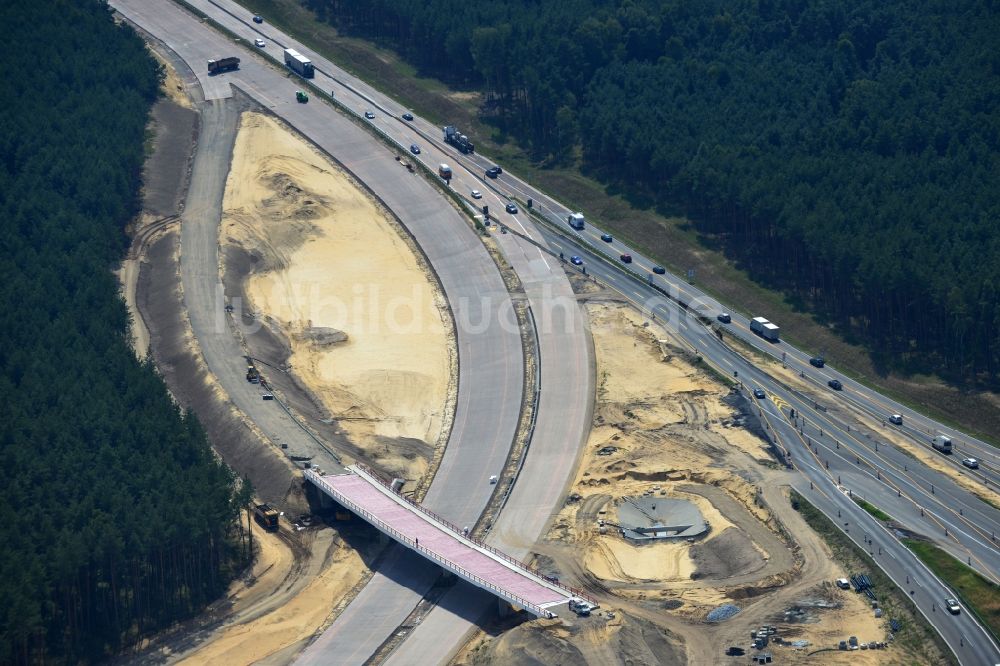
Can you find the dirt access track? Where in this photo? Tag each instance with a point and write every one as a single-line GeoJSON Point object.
{"type": "Point", "coordinates": [663, 427]}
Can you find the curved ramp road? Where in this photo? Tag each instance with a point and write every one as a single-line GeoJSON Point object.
{"type": "Point", "coordinates": [490, 356]}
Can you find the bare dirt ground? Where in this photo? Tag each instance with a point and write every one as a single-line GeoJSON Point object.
{"type": "Point", "coordinates": [667, 428]}
{"type": "Point", "coordinates": [337, 281]}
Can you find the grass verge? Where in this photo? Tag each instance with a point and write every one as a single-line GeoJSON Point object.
{"type": "Point", "coordinates": [979, 595]}
{"type": "Point", "coordinates": [916, 635]}
{"type": "Point", "coordinates": [873, 510]}
{"type": "Point", "coordinates": [672, 241]}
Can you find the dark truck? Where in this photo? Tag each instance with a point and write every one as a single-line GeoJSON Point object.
{"type": "Point", "coordinates": [223, 65]}
{"type": "Point", "coordinates": [459, 140]}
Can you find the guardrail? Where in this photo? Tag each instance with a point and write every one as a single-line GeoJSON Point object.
{"type": "Point", "coordinates": [476, 542]}
{"type": "Point", "coordinates": [412, 543]}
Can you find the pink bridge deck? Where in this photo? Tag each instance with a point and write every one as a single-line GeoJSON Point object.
{"type": "Point", "coordinates": [362, 493]}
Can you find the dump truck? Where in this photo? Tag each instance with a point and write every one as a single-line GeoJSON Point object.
{"type": "Point", "coordinates": [445, 172]}
{"type": "Point", "coordinates": [299, 64]}
{"type": "Point", "coordinates": [765, 329]}
{"type": "Point", "coordinates": [575, 220]}
{"type": "Point", "coordinates": [267, 516]}
{"type": "Point", "coordinates": [223, 65]}
{"type": "Point", "coordinates": [459, 140]}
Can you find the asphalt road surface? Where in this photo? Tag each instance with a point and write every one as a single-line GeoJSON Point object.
{"type": "Point", "coordinates": [981, 551]}
{"type": "Point", "coordinates": [490, 355]}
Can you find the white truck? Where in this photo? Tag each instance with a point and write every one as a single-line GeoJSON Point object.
{"type": "Point", "coordinates": [299, 64]}
{"type": "Point", "coordinates": [445, 172]}
{"type": "Point", "coordinates": [765, 329]}
{"type": "Point", "coordinates": [942, 443]}
{"type": "Point", "coordinates": [575, 220]}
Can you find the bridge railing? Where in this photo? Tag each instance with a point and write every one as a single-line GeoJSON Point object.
{"type": "Point", "coordinates": [446, 563]}
{"type": "Point", "coordinates": [481, 544]}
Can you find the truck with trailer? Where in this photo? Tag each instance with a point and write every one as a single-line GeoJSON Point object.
{"type": "Point", "coordinates": [575, 220]}
{"type": "Point", "coordinates": [267, 516]}
{"type": "Point", "coordinates": [223, 65]}
{"type": "Point", "coordinates": [765, 329]}
{"type": "Point", "coordinates": [445, 172]}
{"type": "Point", "coordinates": [942, 443]}
{"type": "Point", "coordinates": [459, 140]}
{"type": "Point", "coordinates": [299, 64]}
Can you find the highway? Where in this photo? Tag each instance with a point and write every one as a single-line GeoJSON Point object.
{"type": "Point", "coordinates": [873, 474]}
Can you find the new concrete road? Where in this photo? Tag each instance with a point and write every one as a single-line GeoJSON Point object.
{"type": "Point", "coordinates": [489, 347]}
{"type": "Point", "coordinates": [565, 377]}
{"type": "Point", "coordinates": [922, 493]}
{"type": "Point", "coordinates": [836, 464]}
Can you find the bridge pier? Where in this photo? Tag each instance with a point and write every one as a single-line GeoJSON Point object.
{"type": "Point", "coordinates": [504, 609]}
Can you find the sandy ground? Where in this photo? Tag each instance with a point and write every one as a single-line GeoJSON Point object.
{"type": "Point", "coordinates": [366, 325]}
{"type": "Point", "coordinates": [128, 277]}
{"type": "Point", "coordinates": [678, 433]}
{"type": "Point", "coordinates": [254, 633]}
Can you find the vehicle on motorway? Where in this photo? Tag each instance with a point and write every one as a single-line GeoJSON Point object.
{"type": "Point", "coordinates": [511, 208]}
{"type": "Point", "coordinates": [493, 172]}
{"type": "Point", "coordinates": [407, 116]}
{"type": "Point", "coordinates": [659, 270]}
{"type": "Point", "coordinates": [459, 140]}
{"type": "Point", "coordinates": [370, 115]}
{"type": "Point", "coordinates": [259, 43]}
{"type": "Point", "coordinates": [942, 443]}
{"type": "Point", "coordinates": [896, 419]}
{"type": "Point", "coordinates": [576, 221]}
{"type": "Point", "coordinates": [764, 329]}
{"type": "Point", "coordinates": [835, 384]}
{"type": "Point", "coordinates": [415, 149]}
{"type": "Point", "coordinates": [267, 396]}
{"type": "Point", "coordinates": [257, 18]}
{"type": "Point", "coordinates": [626, 258]}
{"type": "Point", "coordinates": [476, 194]}
{"type": "Point", "coordinates": [301, 97]}
{"type": "Point", "coordinates": [299, 64]}
{"type": "Point", "coordinates": [817, 361]}
{"type": "Point", "coordinates": [445, 172]}
{"type": "Point", "coordinates": [971, 463]}
{"type": "Point", "coordinates": [759, 394]}
{"type": "Point", "coordinates": [952, 606]}
{"type": "Point", "coordinates": [576, 261]}
{"type": "Point", "coordinates": [724, 317]}
{"type": "Point", "coordinates": [223, 65]}
{"type": "Point", "coordinates": [606, 238]}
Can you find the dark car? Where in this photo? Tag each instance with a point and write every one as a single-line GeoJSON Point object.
{"type": "Point", "coordinates": [576, 261]}
{"type": "Point", "coordinates": [817, 361]}
{"type": "Point", "coordinates": [759, 394]}
{"type": "Point", "coordinates": [407, 116]}
{"type": "Point", "coordinates": [493, 172]}
{"type": "Point", "coordinates": [659, 270]}
{"type": "Point", "coordinates": [415, 149]}
{"type": "Point", "coordinates": [724, 317]}
{"type": "Point", "coordinates": [626, 258]}
{"type": "Point", "coordinates": [606, 238]}
{"type": "Point", "coordinates": [370, 115]}
{"type": "Point", "coordinates": [511, 208]}
{"type": "Point", "coordinates": [257, 18]}
{"type": "Point", "coordinates": [835, 384]}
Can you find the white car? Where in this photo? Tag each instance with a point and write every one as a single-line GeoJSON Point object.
{"type": "Point", "coordinates": [476, 194]}
{"type": "Point", "coordinates": [258, 43]}
{"type": "Point", "coordinates": [971, 463]}
{"type": "Point", "coordinates": [896, 419]}
{"type": "Point", "coordinates": [952, 606]}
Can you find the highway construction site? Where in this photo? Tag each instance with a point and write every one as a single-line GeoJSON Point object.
{"type": "Point", "coordinates": [297, 238]}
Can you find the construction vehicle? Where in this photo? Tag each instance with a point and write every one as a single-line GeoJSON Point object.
{"type": "Point", "coordinates": [267, 516]}
{"type": "Point", "coordinates": [445, 172]}
{"type": "Point", "coordinates": [301, 97]}
{"type": "Point", "coordinates": [299, 64]}
{"type": "Point", "coordinates": [459, 140]}
{"type": "Point", "coordinates": [764, 329]}
{"type": "Point", "coordinates": [223, 65]}
{"type": "Point", "coordinates": [253, 375]}
{"type": "Point", "coordinates": [575, 220]}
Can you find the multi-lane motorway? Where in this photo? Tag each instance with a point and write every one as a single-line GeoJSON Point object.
{"type": "Point", "coordinates": [833, 458]}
